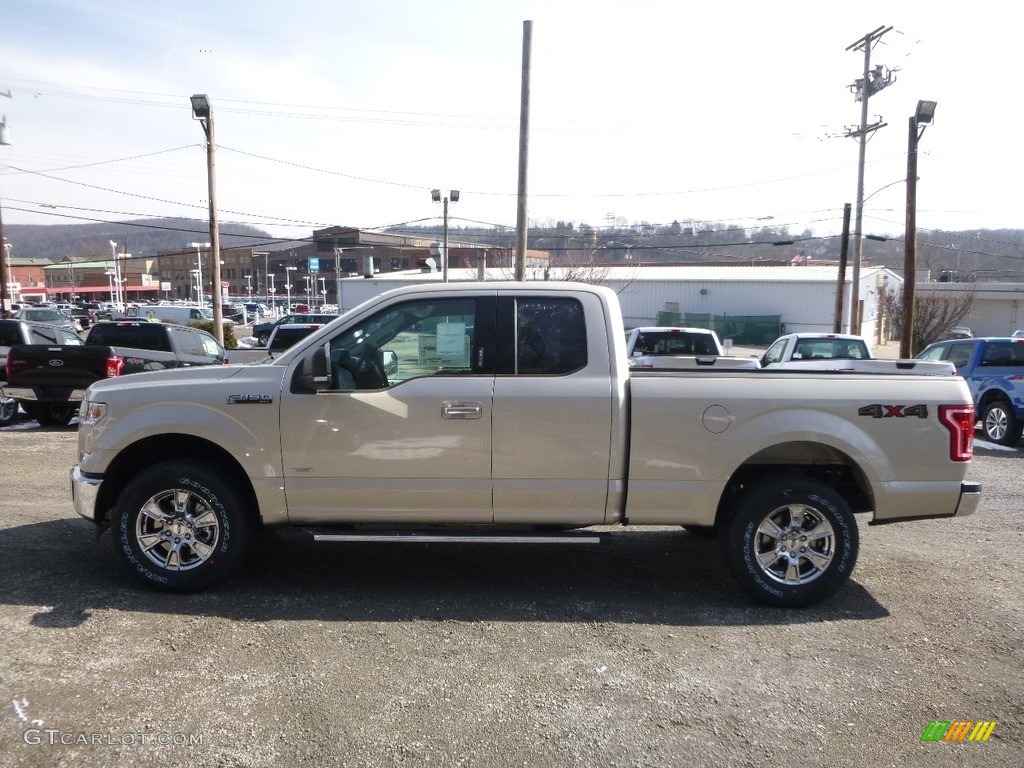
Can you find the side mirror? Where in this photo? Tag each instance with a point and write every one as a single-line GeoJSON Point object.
{"type": "Point", "coordinates": [315, 375]}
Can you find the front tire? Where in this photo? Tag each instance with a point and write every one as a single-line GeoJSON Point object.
{"type": "Point", "coordinates": [1000, 423]}
{"type": "Point", "coordinates": [181, 527]}
{"type": "Point", "coordinates": [791, 542]}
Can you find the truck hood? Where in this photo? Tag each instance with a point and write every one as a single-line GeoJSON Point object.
{"type": "Point", "coordinates": [176, 377]}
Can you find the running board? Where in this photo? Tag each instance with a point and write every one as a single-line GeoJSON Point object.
{"type": "Point", "coordinates": [459, 537]}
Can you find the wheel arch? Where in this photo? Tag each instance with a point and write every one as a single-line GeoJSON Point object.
{"type": "Point", "coordinates": [152, 449]}
{"type": "Point", "coordinates": [990, 396]}
{"type": "Point", "coordinates": [808, 459]}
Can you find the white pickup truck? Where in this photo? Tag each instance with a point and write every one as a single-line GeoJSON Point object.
{"type": "Point", "coordinates": [512, 416]}
{"type": "Point", "coordinates": [671, 347]}
{"type": "Point", "coordinates": [839, 352]}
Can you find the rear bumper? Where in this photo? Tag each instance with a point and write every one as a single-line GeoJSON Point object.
{"type": "Point", "coordinates": [967, 504]}
{"type": "Point", "coordinates": [970, 497]}
{"type": "Point", "coordinates": [84, 493]}
{"type": "Point", "coordinates": [32, 396]}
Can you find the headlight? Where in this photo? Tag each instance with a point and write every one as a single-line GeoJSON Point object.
{"type": "Point", "coordinates": [90, 413]}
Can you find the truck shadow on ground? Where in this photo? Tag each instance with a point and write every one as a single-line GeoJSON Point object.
{"type": "Point", "coordinates": [649, 577]}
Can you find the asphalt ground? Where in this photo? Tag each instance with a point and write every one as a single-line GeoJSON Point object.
{"type": "Point", "coordinates": [638, 652]}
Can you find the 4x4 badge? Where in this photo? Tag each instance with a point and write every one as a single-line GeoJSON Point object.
{"type": "Point", "coordinates": [893, 411]}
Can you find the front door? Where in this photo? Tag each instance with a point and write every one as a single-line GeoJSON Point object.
{"type": "Point", "coordinates": [403, 434]}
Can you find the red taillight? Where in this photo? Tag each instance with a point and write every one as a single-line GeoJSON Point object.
{"type": "Point", "coordinates": [114, 366]}
{"type": "Point", "coordinates": [959, 420]}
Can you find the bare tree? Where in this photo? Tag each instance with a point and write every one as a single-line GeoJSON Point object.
{"type": "Point", "coordinates": [575, 267]}
{"type": "Point", "coordinates": [934, 313]}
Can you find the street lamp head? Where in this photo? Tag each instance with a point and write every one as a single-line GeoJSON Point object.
{"type": "Point", "coordinates": [200, 106]}
{"type": "Point", "coordinates": [454, 196]}
{"type": "Point", "coordinates": [435, 195]}
{"type": "Point", "coordinates": [925, 111]}
{"type": "Point", "coordinates": [199, 245]}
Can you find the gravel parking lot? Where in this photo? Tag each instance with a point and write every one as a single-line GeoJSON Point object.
{"type": "Point", "coordinates": [639, 652]}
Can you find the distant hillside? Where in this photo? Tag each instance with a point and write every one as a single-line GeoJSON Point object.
{"type": "Point", "coordinates": [992, 255]}
{"type": "Point", "coordinates": [142, 237]}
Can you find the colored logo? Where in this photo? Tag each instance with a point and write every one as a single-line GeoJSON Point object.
{"type": "Point", "coordinates": [958, 730]}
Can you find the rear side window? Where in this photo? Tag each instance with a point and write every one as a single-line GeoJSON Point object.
{"type": "Point", "coordinates": [830, 349]}
{"type": "Point", "coordinates": [1003, 353]}
{"type": "Point", "coordinates": [677, 343]}
{"type": "Point", "coordinates": [551, 336]}
{"type": "Point", "coordinates": [150, 336]}
{"type": "Point", "coordinates": [9, 336]}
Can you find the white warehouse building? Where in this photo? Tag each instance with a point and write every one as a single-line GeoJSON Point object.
{"type": "Point", "coordinates": [799, 298]}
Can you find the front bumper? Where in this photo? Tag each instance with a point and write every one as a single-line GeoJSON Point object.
{"type": "Point", "coordinates": [85, 492]}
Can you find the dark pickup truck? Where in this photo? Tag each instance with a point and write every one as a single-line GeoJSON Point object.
{"type": "Point", "coordinates": [14, 332]}
{"type": "Point", "coordinates": [49, 380]}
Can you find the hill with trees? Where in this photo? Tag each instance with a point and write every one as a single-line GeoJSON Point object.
{"type": "Point", "coordinates": [143, 237]}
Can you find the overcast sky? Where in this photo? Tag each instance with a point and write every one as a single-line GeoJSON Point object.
{"type": "Point", "coordinates": [350, 112]}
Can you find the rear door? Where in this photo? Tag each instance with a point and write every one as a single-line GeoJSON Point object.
{"type": "Point", "coordinates": [553, 410]}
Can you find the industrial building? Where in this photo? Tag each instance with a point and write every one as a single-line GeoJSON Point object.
{"type": "Point", "coordinates": [749, 304]}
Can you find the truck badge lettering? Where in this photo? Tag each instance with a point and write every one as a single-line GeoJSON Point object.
{"type": "Point", "coordinates": [248, 399]}
{"type": "Point", "coordinates": [878, 411]}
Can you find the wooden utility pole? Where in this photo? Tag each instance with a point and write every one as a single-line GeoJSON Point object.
{"type": "Point", "coordinates": [844, 247]}
{"type": "Point", "coordinates": [866, 89]}
{"type": "Point", "coordinates": [524, 145]}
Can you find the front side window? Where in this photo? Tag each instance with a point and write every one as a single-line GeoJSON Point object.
{"type": "Point", "coordinates": [774, 353]}
{"type": "Point", "coordinates": [426, 337]}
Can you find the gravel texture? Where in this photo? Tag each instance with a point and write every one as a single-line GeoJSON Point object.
{"type": "Point", "coordinates": [638, 652]}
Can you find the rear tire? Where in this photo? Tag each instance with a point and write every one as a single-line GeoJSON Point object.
{"type": "Point", "coordinates": [1000, 423]}
{"type": "Point", "coordinates": [791, 542]}
{"type": "Point", "coordinates": [181, 527]}
{"type": "Point", "coordinates": [54, 414]}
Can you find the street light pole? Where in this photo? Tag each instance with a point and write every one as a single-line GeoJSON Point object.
{"type": "Point", "coordinates": [288, 287]}
{"type": "Point", "coordinates": [435, 195]}
{"type": "Point", "coordinates": [5, 141]}
{"type": "Point", "coordinates": [924, 114]}
{"type": "Point", "coordinates": [203, 112]}
{"type": "Point", "coordinates": [337, 275]}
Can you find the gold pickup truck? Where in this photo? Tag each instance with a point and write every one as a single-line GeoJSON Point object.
{"type": "Point", "coordinates": [506, 413]}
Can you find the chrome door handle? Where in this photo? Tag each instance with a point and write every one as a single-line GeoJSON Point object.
{"type": "Point", "coordinates": [461, 410]}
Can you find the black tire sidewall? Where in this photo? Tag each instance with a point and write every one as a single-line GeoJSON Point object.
{"type": "Point", "coordinates": [54, 414]}
{"type": "Point", "coordinates": [222, 498]}
{"type": "Point", "coordinates": [8, 412]}
{"type": "Point", "coordinates": [752, 508]}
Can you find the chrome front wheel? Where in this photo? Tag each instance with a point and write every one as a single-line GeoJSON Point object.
{"type": "Point", "coordinates": [181, 527]}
